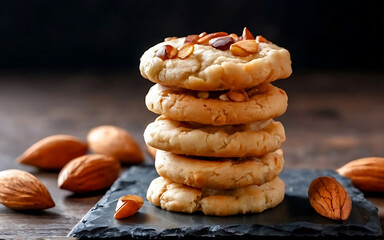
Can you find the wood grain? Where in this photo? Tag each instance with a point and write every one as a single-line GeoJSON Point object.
{"type": "Point", "coordinates": [328, 123]}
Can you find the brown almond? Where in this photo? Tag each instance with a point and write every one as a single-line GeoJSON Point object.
{"type": "Point", "coordinates": [186, 50]}
{"type": "Point", "coordinates": [205, 40]}
{"type": "Point", "coordinates": [222, 43]}
{"type": "Point", "coordinates": [261, 39]}
{"type": "Point", "coordinates": [116, 142]}
{"type": "Point", "coordinates": [247, 35]}
{"type": "Point", "coordinates": [53, 152]}
{"type": "Point", "coordinates": [203, 34]}
{"type": "Point", "coordinates": [244, 48]}
{"type": "Point", "coordinates": [329, 198]}
{"type": "Point", "coordinates": [89, 173]}
{"type": "Point", "coordinates": [128, 206]}
{"type": "Point", "coordinates": [191, 39]}
{"type": "Point", "coordinates": [21, 190]}
{"type": "Point", "coordinates": [367, 174]}
{"type": "Point", "coordinates": [166, 52]}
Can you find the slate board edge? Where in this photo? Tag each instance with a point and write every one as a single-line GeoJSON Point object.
{"type": "Point", "coordinates": [79, 230]}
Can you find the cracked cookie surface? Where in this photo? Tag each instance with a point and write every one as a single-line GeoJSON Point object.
{"type": "Point", "coordinates": [177, 197]}
{"type": "Point", "coordinates": [219, 173]}
{"type": "Point", "coordinates": [210, 69]}
{"type": "Point", "coordinates": [252, 139]}
{"type": "Point", "coordinates": [184, 105]}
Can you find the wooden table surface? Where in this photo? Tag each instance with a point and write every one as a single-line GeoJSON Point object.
{"type": "Point", "coordinates": [332, 118]}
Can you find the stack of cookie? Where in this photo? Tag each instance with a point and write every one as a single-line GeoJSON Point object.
{"type": "Point", "coordinates": [218, 145]}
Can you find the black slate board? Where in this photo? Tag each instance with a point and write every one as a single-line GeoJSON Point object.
{"type": "Point", "coordinates": [293, 217]}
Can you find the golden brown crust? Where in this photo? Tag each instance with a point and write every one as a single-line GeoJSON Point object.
{"type": "Point", "coordinates": [184, 105]}
{"type": "Point", "coordinates": [210, 69]}
{"type": "Point", "coordinates": [219, 173]}
{"type": "Point", "coordinates": [252, 139]}
{"type": "Point", "coordinates": [177, 197]}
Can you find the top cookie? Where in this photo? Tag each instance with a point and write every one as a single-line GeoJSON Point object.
{"type": "Point", "coordinates": [211, 63]}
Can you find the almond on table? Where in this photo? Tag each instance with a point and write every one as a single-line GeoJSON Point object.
{"type": "Point", "coordinates": [53, 152]}
{"type": "Point", "coordinates": [116, 142]}
{"type": "Point", "coordinates": [367, 174]}
{"type": "Point", "coordinates": [89, 173]}
{"type": "Point", "coordinates": [329, 198]}
{"type": "Point", "coordinates": [21, 190]}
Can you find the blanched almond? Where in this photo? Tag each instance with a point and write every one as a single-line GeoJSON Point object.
{"type": "Point", "coordinates": [53, 152]}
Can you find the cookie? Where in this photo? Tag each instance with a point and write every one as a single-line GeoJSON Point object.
{"type": "Point", "coordinates": [219, 173]}
{"type": "Point", "coordinates": [218, 108]}
{"type": "Point", "coordinates": [211, 69]}
{"type": "Point", "coordinates": [177, 197]}
{"type": "Point", "coordinates": [188, 138]}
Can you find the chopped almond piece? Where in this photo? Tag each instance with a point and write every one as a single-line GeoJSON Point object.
{"type": "Point", "coordinates": [186, 50]}
{"type": "Point", "coordinates": [205, 40]}
{"type": "Point", "coordinates": [244, 48]}
{"type": "Point", "coordinates": [128, 206]}
{"type": "Point", "coordinates": [247, 35]}
{"type": "Point", "coordinates": [169, 39]}
{"type": "Point", "coordinates": [192, 39]}
{"type": "Point", "coordinates": [237, 96]}
{"type": "Point", "coordinates": [166, 52]}
{"type": "Point", "coordinates": [261, 39]}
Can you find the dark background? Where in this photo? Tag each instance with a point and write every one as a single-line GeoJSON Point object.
{"type": "Point", "coordinates": [321, 35]}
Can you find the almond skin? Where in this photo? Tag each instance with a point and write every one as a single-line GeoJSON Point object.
{"type": "Point", "coordinates": [367, 174]}
{"type": "Point", "coordinates": [89, 173]}
{"type": "Point", "coordinates": [21, 190]}
{"type": "Point", "coordinates": [128, 206]}
{"type": "Point", "coordinates": [329, 198]}
{"type": "Point", "coordinates": [53, 152]}
{"type": "Point", "coordinates": [115, 142]}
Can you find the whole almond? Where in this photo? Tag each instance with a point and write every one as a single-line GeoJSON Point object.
{"type": "Point", "coordinates": [329, 198]}
{"type": "Point", "coordinates": [89, 173]}
{"type": "Point", "coordinates": [53, 152]}
{"type": "Point", "coordinates": [115, 142]}
{"type": "Point", "coordinates": [21, 190]}
{"type": "Point", "coordinates": [205, 39]}
{"type": "Point", "coordinates": [367, 174]}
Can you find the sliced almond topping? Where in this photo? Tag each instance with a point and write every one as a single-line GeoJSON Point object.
{"type": "Point", "coordinates": [261, 39]}
{"type": "Point", "coordinates": [202, 34]}
{"type": "Point", "coordinates": [166, 52]}
{"type": "Point", "coordinates": [128, 206]}
{"type": "Point", "coordinates": [191, 39]}
{"type": "Point", "coordinates": [205, 40]}
{"type": "Point", "coordinates": [186, 50]}
{"type": "Point", "coordinates": [247, 35]}
{"type": "Point", "coordinates": [169, 39]}
{"type": "Point", "coordinates": [222, 43]}
{"type": "Point", "coordinates": [203, 95]}
{"type": "Point", "coordinates": [244, 48]}
{"type": "Point", "coordinates": [237, 96]}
